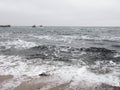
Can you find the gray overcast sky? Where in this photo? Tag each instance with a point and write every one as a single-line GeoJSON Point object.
{"type": "Point", "coordinates": [60, 12]}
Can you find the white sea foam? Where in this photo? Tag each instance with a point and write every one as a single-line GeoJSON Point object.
{"type": "Point", "coordinates": [82, 74]}
{"type": "Point", "coordinates": [18, 43]}
{"type": "Point", "coordinates": [59, 38]}
{"type": "Point", "coordinates": [109, 38]}
{"type": "Point", "coordinates": [43, 37]}
{"type": "Point", "coordinates": [117, 55]}
{"type": "Point", "coordinates": [14, 65]}
{"type": "Point", "coordinates": [70, 38]}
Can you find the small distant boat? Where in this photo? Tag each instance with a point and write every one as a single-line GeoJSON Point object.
{"type": "Point", "coordinates": [34, 26]}
{"type": "Point", "coordinates": [41, 25]}
{"type": "Point", "coordinates": [5, 25]}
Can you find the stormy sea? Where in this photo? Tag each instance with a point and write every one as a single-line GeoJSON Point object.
{"type": "Point", "coordinates": [59, 58]}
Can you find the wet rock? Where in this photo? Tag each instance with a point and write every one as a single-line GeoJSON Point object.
{"type": "Point", "coordinates": [44, 74]}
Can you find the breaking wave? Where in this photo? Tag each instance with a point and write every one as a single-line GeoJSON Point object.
{"type": "Point", "coordinates": [28, 52]}
{"type": "Point", "coordinates": [70, 38]}
{"type": "Point", "coordinates": [18, 43]}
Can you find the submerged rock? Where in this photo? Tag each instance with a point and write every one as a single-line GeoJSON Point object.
{"type": "Point", "coordinates": [44, 74]}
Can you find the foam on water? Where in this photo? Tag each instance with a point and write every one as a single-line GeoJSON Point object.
{"type": "Point", "coordinates": [13, 65]}
{"type": "Point", "coordinates": [42, 59]}
{"type": "Point", "coordinates": [117, 55]}
{"type": "Point", "coordinates": [18, 43]}
{"type": "Point", "coordinates": [70, 38]}
{"type": "Point", "coordinates": [43, 37]}
{"type": "Point", "coordinates": [56, 38]}
{"type": "Point", "coordinates": [82, 74]}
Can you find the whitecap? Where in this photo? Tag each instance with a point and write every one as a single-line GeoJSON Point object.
{"type": "Point", "coordinates": [18, 43]}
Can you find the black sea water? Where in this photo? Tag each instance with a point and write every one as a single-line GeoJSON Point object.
{"type": "Point", "coordinates": [90, 54]}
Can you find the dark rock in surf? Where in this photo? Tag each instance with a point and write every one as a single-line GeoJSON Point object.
{"type": "Point", "coordinates": [44, 74]}
{"type": "Point", "coordinates": [34, 26]}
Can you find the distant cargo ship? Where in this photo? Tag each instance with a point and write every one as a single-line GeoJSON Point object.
{"type": "Point", "coordinates": [5, 25]}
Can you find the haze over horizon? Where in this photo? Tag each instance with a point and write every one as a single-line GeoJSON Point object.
{"type": "Point", "coordinates": [60, 12]}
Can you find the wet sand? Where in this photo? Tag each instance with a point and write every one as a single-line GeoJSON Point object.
{"type": "Point", "coordinates": [49, 83]}
{"type": "Point", "coordinates": [26, 86]}
{"type": "Point", "coordinates": [5, 77]}
{"type": "Point", "coordinates": [41, 85]}
{"type": "Point", "coordinates": [64, 86]}
{"type": "Point", "coordinates": [34, 84]}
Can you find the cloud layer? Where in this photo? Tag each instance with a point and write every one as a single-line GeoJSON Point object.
{"type": "Point", "coordinates": [60, 12]}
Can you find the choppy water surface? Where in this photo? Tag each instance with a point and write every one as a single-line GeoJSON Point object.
{"type": "Point", "coordinates": [90, 54]}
